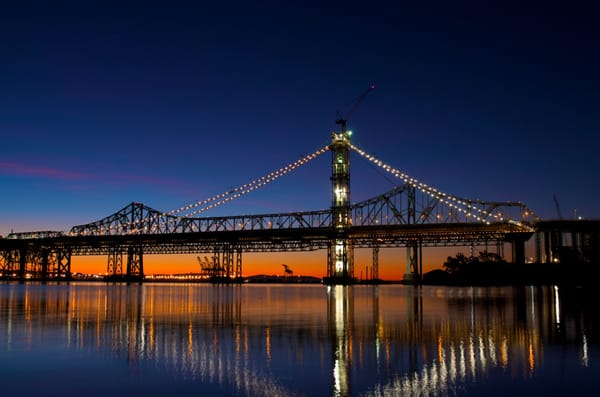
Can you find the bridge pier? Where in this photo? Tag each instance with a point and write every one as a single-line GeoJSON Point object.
{"type": "Point", "coordinates": [114, 266]}
{"type": "Point", "coordinates": [4, 263]}
{"type": "Point", "coordinates": [134, 270]}
{"type": "Point", "coordinates": [227, 264]}
{"type": "Point", "coordinates": [340, 262]}
{"type": "Point", "coordinates": [414, 263]}
{"type": "Point", "coordinates": [375, 268]}
{"type": "Point", "coordinates": [22, 263]}
{"type": "Point", "coordinates": [135, 263]}
{"type": "Point", "coordinates": [63, 258]}
{"type": "Point", "coordinates": [518, 251]}
{"type": "Point", "coordinates": [44, 269]}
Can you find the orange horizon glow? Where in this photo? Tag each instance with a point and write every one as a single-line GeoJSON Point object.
{"type": "Point", "coordinates": [392, 263]}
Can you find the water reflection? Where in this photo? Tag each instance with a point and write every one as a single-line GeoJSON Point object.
{"type": "Point", "coordinates": [306, 340]}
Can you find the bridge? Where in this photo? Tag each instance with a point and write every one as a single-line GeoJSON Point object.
{"type": "Point", "coordinates": [412, 215]}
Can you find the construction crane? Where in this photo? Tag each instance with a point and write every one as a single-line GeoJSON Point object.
{"type": "Point", "coordinates": [341, 120]}
{"type": "Point", "coordinates": [209, 268]}
{"type": "Point", "coordinates": [287, 271]}
{"type": "Point", "coordinates": [204, 264]}
{"type": "Point", "coordinates": [557, 207]}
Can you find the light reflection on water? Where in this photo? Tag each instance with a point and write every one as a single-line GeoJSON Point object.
{"type": "Point", "coordinates": [283, 340]}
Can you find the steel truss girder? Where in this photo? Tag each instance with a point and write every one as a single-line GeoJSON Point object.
{"type": "Point", "coordinates": [405, 205]}
{"type": "Point", "coordinates": [402, 205]}
{"type": "Point", "coordinates": [138, 219]}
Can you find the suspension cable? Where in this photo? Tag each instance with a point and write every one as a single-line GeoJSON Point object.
{"type": "Point", "coordinates": [225, 197]}
{"type": "Point", "coordinates": [247, 187]}
{"type": "Point", "coordinates": [450, 200]}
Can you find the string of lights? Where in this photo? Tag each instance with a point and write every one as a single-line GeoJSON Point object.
{"type": "Point", "coordinates": [216, 200]}
{"type": "Point", "coordinates": [466, 206]}
{"type": "Point", "coordinates": [154, 221]}
{"type": "Point", "coordinates": [249, 187]}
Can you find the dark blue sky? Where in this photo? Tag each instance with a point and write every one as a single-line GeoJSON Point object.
{"type": "Point", "coordinates": [104, 103]}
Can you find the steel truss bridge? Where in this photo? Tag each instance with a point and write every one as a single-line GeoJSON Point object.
{"type": "Point", "coordinates": [411, 215]}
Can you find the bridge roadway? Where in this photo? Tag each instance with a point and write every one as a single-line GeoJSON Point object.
{"type": "Point", "coordinates": [276, 240]}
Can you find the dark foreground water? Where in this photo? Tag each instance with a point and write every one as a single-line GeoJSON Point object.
{"type": "Point", "coordinates": [296, 340]}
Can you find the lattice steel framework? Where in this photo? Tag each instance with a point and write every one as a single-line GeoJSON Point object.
{"type": "Point", "coordinates": [402, 205]}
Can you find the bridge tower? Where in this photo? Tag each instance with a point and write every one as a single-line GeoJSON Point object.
{"type": "Point", "coordinates": [340, 255]}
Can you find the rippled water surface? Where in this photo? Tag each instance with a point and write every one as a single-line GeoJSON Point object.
{"type": "Point", "coordinates": [98, 339]}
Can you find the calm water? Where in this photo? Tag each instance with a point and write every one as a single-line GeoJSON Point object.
{"type": "Point", "coordinates": [301, 340]}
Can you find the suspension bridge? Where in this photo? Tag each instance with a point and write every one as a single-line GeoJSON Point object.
{"type": "Point", "coordinates": [412, 215]}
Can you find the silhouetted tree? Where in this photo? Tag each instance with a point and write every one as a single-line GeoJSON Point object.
{"type": "Point", "coordinates": [485, 268]}
{"type": "Point", "coordinates": [457, 264]}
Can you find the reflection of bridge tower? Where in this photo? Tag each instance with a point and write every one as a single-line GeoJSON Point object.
{"type": "Point", "coordinates": [340, 316]}
{"type": "Point", "coordinates": [340, 256]}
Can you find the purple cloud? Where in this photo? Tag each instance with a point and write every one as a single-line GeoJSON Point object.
{"type": "Point", "coordinates": [44, 172]}
{"type": "Point", "coordinates": [112, 179]}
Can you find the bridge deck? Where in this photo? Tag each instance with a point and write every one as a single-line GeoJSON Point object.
{"type": "Point", "coordinates": [276, 240]}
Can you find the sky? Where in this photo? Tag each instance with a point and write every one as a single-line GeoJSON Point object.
{"type": "Point", "coordinates": [167, 103]}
